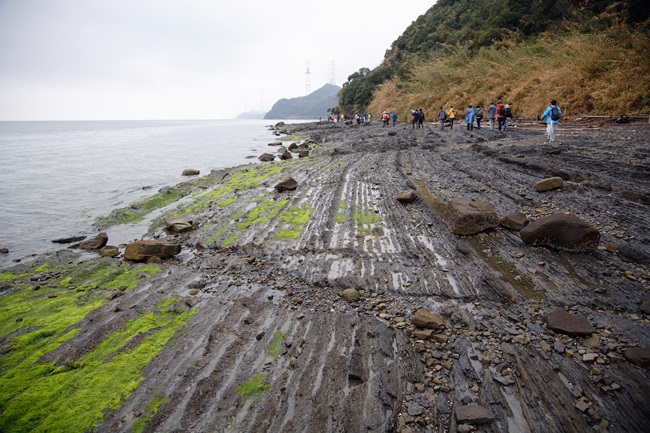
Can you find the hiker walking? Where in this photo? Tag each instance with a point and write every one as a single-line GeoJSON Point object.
{"type": "Point", "coordinates": [501, 114]}
{"type": "Point", "coordinates": [508, 116]}
{"type": "Point", "coordinates": [415, 115]}
{"type": "Point", "coordinates": [394, 118]}
{"type": "Point", "coordinates": [469, 118]}
{"type": "Point", "coordinates": [420, 119]}
{"type": "Point", "coordinates": [452, 116]}
{"type": "Point", "coordinates": [552, 115]}
{"type": "Point", "coordinates": [479, 116]}
{"type": "Point", "coordinates": [442, 116]}
{"type": "Point", "coordinates": [492, 114]}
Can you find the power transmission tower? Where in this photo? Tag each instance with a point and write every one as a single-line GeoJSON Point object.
{"type": "Point", "coordinates": [307, 80]}
{"type": "Point", "coordinates": [332, 74]}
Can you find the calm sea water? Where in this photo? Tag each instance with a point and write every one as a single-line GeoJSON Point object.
{"type": "Point", "coordinates": [56, 178]}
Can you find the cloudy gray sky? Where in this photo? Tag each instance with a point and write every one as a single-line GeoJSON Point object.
{"type": "Point", "coordinates": [190, 59]}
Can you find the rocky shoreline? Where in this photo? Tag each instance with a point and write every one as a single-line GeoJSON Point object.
{"type": "Point", "coordinates": [344, 300]}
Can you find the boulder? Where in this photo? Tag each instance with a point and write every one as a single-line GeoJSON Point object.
{"type": "Point", "coordinates": [548, 184]}
{"type": "Point", "coordinates": [350, 295]}
{"type": "Point", "coordinates": [562, 232]}
{"type": "Point", "coordinates": [426, 319]}
{"type": "Point", "coordinates": [288, 185]}
{"type": "Point", "coordinates": [286, 155]}
{"type": "Point", "coordinates": [474, 414]}
{"type": "Point", "coordinates": [276, 143]}
{"type": "Point", "coordinates": [141, 251]}
{"type": "Point", "coordinates": [109, 251]}
{"type": "Point", "coordinates": [514, 221]}
{"type": "Point", "coordinates": [282, 149]}
{"type": "Point", "coordinates": [406, 196]}
{"type": "Point", "coordinates": [266, 157]}
{"type": "Point", "coordinates": [638, 356]}
{"type": "Point", "coordinates": [562, 321]}
{"type": "Point", "coordinates": [178, 224]}
{"type": "Point", "coordinates": [303, 154]}
{"type": "Point", "coordinates": [303, 146]}
{"type": "Point", "coordinates": [96, 243]}
{"type": "Point", "coordinates": [190, 172]}
{"type": "Point", "coordinates": [293, 146]}
{"type": "Point", "coordinates": [468, 216]}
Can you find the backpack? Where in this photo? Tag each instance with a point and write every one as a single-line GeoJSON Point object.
{"type": "Point", "coordinates": [479, 113]}
{"type": "Point", "coordinates": [555, 113]}
{"type": "Point", "coordinates": [508, 112]}
{"type": "Point", "coordinates": [502, 111]}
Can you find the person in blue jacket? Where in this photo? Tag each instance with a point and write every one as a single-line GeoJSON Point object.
{"type": "Point", "coordinates": [552, 115]}
{"type": "Point", "coordinates": [394, 118]}
{"type": "Point", "coordinates": [470, 115]}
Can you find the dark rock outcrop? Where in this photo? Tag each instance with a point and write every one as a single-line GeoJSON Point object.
{"type": "Point", "coordinates": [562, 321]}
{"type": "Point", "coordinates": [94, 243]}
{"type": "Point", "coordinates": [468, 216]}
{"type": "Point", "coordinates": [140, 251]}
{"type": "Point", "coordinates": [562, 232]}
{"type": "Point", "coordinates": [288, 185]}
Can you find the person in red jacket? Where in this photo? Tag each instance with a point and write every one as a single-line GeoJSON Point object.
{"type": "Point", "coordinates": [501, 113]}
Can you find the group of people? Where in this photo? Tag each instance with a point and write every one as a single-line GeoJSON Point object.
{"type": "Point", "coordinates": [386, 117]}
{"type": "Point", "coordinates": [498, 114]}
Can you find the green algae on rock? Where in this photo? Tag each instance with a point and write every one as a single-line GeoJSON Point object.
{"type": "Point", "coordinates": [39, 393]}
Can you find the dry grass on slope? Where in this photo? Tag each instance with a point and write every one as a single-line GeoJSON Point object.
{"type": "Point", "coordinates": [599, 74]}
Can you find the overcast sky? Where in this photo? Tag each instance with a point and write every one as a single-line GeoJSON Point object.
{"type": "Point", "coordinates": [189, 59]}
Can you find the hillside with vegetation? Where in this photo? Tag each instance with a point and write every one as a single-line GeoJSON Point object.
{"type": "Point", "coordinates": [593, 56]}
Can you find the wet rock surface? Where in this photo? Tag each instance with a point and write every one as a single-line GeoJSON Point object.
{"type": "Point", "coordinates": [366, 362]}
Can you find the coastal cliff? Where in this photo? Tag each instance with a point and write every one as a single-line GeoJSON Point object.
{"type": "Point", "coordinates": [330, 305]}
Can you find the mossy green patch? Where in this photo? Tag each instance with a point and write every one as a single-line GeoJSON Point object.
{"type": "Point", "coordinates": [367, 221]}
{"type": "Point", "coordinates": [275, 345]}
{"type": "Point", "coordinates": [227, 202]}
{"type": "Point", "coordinates": [290, 138]}
{"type": "Point", "coordinates": [296, 218]}
{"type": "Point", "coordinates": [262, 214]}
{"type": "Point", "coordinates": [231, 240]}
{"type": "Point", "coordinates": [343, 205]}
{"type": "Point", "coordinates": [216, 235]}
{"type": "Point", "coordinates": [340, 217]}
{"type": "Point", "coordinates": [150, 411]}
{"type": "Point", "coordinates": [38, 395]}
{"type": "Point", "coordinates": [217, 187]}
{"type": "Point", "coordinates": [254, 387]}
{"type": "Point", "coordinates": [73, 398]}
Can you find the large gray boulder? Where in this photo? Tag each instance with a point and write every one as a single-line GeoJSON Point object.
{"type": "Point", "coordinates": [468, 216]}
{"type": "Point", "coordinates": [562, 232]}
